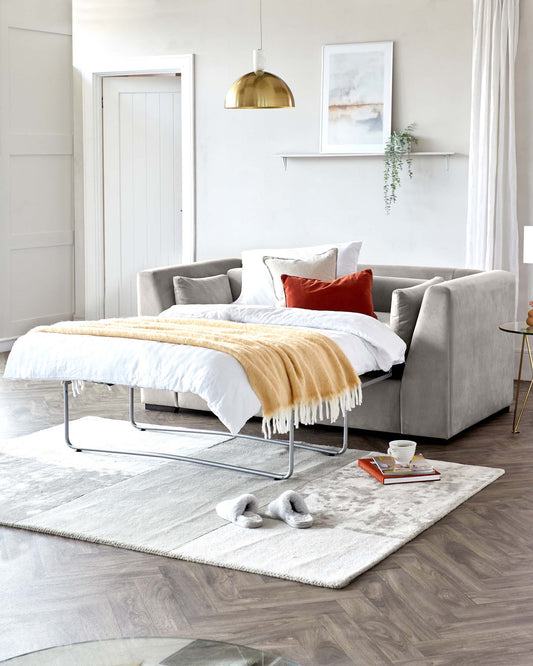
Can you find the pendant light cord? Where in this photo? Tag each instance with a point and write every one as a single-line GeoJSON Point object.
{"type": "Point", "coordinates": [260, 25]}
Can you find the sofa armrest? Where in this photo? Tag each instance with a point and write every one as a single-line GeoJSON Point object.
{"type": "Point", "coordinates": [460, 366]}
{"type": "Point", "coordinates": [155, 288]}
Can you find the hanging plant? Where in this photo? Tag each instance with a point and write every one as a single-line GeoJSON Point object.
{"type": "Point", "coordinates": [397, 151]}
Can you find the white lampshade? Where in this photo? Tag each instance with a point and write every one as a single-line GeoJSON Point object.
{"type": "Point", "coordinates": [528, 245]}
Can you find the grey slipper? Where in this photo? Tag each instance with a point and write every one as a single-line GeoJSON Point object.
{"type": "Point", "coordinates": [241, 510]}
{"type": "Point", "coordinates": [291, 508]}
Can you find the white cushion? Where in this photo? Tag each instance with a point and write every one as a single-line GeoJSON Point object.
{"type": "Point", "coordinates": [321, 266]}
{"type": "Point", "coordinates": [257, 287]}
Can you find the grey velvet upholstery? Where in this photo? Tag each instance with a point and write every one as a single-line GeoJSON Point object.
{"type": "Point", "coordinates": [235, 282]}
{"type": "Point", "coordinates": [364, 417]}
{"type": "Point", "coordinates": [418, 272]}
{"type": "Point", "coordinates": [460, 366]}
{"type": "Point", "coordinates": [384, 317]}
{"type": "Point", "coordinates": [155, 287]}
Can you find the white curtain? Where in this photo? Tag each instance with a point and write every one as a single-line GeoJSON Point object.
{"type": "Point", "coordinates": [492, 228]}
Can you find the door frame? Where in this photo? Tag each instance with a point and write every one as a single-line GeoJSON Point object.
{"type": "Point", "coordinates": [93, 173]}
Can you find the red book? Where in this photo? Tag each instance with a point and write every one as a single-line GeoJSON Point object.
{"type": "Point", "coordinates": [370, 466]}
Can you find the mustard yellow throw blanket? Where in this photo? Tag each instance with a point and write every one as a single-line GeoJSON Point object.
{"type": "Point", "coordinates": [291, 370]}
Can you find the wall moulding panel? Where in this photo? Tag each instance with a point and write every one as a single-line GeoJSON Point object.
{"type": "Point", "coordinates": [32, 241]}
{"type": "Point", "coordinates": [36, 168]}
{"type": "Point", "coordinates": [22, 326]}
{"type": "Point", "coordinates": [41, 144]}
{"type": "Point", "coordinates": [41, 194]}
{"type": "Point", "coordinates": [52, 16]}
{"type": "Point", "coordinates": [44, 279]}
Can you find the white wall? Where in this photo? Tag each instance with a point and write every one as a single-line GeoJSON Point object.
{"type": "Point", "coordinates": [244, 197]}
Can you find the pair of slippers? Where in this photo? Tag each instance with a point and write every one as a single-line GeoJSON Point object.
{"type": "Point", "coordinates": [244, 510]}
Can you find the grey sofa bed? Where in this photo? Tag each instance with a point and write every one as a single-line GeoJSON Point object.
{"type": "Point", "coordinates": [459, 368]}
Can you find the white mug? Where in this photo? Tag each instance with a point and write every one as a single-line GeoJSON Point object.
{"type": "Point", "coordinates": [402, 450]}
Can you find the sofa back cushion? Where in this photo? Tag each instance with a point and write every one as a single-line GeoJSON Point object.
{"type": "Point", "coordinates": [405, 306]}
{"type": "Point", "coordinates": [214, 289]}
{"type": "Point", "coordinates": [383, 286]}
{"type": "Point", "coordinates": [419, 272]}
{"type": "Point", "coordinates": [390, 278]}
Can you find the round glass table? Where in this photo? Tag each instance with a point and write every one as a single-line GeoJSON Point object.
{"type": "Point", "coordinates": [520, 328]}
{"type": "Point", "coordinates": [150, 652]}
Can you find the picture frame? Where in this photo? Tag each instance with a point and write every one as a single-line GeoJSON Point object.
{"type": "Point", "coordinates": [356, 97]}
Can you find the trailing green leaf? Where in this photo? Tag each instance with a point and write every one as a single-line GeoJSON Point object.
{"type": "Point", "coordinates": [397, 150]}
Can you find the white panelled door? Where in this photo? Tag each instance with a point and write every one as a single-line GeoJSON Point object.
{"type": "Point", "coordinates": [142, 183]}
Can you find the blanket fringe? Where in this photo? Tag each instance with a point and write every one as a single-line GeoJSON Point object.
{"type": "Point", "coordinates": [78, 385]}
{"type": "Point", "coordinates": [308, 414]}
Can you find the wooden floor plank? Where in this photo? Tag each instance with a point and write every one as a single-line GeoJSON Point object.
{"type": "Point", "coordinates": [460, 593]}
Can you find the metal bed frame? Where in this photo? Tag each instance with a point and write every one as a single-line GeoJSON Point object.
{"type": "Point", "coordinates": [291, 444]}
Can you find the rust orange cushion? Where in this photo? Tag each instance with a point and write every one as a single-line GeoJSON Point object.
{"type": "Point", "coordinates": [350, 293]}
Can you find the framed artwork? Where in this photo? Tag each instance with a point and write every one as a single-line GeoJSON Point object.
{"type": "Point", "coordinates": [356, 97]}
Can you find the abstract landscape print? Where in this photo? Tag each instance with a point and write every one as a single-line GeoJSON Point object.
{"type": "Point", "coordinates": [356, 97]}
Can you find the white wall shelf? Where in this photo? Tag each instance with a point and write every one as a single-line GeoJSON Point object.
{"type": "Point", "coordinates": [287, 156]}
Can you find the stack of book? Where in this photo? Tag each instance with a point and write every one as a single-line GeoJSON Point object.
{"type": "Point", "coordinates": [386, 470]}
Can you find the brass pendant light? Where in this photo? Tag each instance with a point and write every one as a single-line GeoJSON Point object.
{"type": "Point", "coordinates": [259, 89]}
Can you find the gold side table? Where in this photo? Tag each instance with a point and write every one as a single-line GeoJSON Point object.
{"type": "Point", "coordinates": [520, 328]}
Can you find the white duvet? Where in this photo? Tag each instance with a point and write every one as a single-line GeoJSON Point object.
{"type": "Point", "coordinates": [217, 377]}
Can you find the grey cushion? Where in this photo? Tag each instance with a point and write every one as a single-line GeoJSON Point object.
{"type": "Point", "coordinates": [214, 289]}
{"type": "Point", "coordinates": [235, 282]}
{"type": "Point", "coordinates": [383, 286]}
{"type": "Point", "coordinates": [405, 306]}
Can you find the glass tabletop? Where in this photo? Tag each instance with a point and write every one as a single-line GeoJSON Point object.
{"type": "Point", "coordinates": [150, 652]}
{"type": "Point", "coordinates": [517, 327]}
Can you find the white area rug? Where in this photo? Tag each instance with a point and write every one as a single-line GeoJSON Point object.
{"type": "Point", "coordinates": [168, 508]}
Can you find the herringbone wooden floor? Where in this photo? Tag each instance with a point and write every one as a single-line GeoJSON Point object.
{"type": "Point", "coordinates": [460, 593]}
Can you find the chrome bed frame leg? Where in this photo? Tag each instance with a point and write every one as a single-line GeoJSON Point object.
{"type": "Point", "coordinates": [297, 445]}
{"type": "Point", "coordinates": [291, 444]}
